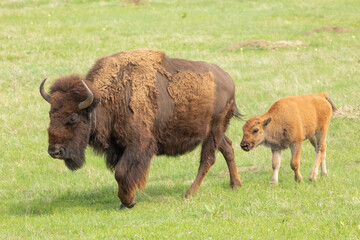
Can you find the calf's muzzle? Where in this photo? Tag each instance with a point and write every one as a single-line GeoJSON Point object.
{"type": "Point", "coordinates": [245, 146]}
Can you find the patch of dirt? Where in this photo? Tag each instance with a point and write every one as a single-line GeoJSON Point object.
{"type": "Point", "coordinates": [353, 164]}
{"type": "Point", "coordinates": [331, 29]}
{"type": "Point", "coordinates": [253, 168]}
{"type": "Point", "coordinates": [133, 2]}
{"type": "Point", "coordinates": [265, 44]}
{"type": "Point", "coordinates": [352, 112]}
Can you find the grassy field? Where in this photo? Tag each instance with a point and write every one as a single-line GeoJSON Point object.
{"type": "Point", "coordinates": [41, 199]}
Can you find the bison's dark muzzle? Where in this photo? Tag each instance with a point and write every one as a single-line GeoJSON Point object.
{"type": "Point", "coordinates": [57, 151]}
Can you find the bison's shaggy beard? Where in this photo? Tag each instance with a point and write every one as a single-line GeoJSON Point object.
{"type": "Point", "coordinates": [74, 164]}
{"type": "Point", "coordinates": [76, 157]}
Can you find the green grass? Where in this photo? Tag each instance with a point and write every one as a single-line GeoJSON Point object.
{"type": "Point", "coordinates": [41, 199]}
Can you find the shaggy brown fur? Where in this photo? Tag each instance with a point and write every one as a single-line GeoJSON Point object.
{"type": "Point", "coordinates": [287, 123]}
{"type": "Point", "coordinates": [145, 104]}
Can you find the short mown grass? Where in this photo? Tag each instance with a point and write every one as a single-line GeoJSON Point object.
{"type": "Point", "coordinates": [41, 199]}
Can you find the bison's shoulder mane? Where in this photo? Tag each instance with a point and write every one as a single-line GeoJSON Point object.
{"type": "Point", "coordinates": [129, 78]}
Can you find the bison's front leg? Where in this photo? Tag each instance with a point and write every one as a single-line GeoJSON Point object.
{"type": "Point", "coordinates": [131, 172]}
{"type": "Point", "coordinates": [127, 198]}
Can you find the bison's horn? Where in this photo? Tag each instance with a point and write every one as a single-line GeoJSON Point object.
{"type": "Point", "coordinates": [89, 100]}
{"type": "Point", "coordinates": [43, 93]}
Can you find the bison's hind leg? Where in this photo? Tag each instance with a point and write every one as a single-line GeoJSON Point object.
{"type": "Point", "coordinates": [216, 139]}
{"type": "Point", "coordinates": [206, 161]}
{"type": "Point", "coordinates": [208, 149]}
{"type": "Point", "coordinates": [227, 151]}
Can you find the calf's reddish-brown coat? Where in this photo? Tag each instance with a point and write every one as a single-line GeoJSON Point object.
{"type": "Point", "coordinates": [287, 123]}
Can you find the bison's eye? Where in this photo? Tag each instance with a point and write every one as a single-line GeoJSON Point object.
{"type": "Point", "coordinates": [72, 120]}
{"type": "Point", "coordinates": [255, 131]}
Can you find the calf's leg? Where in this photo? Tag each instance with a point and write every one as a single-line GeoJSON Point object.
{"type": "Point", "coordinates": [323, 166]}
{"type": "Point", "coordinates": [227, 151]}
{"type": "Point", "coordinates": [313, 142]}
{"type": "Point", "coordinates": [320, 156]}
{"type": "Point", "coordinates": [276, 160]}
{"type": "Point", "coordinates": [295, 159]}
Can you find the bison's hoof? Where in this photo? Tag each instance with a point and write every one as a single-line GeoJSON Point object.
{"type": "Point", "coordinates": [235, 185]}
{"type": "Point", "coordinates": [123, 206]}
{"type": "Point", "coordinates": [187, 196]}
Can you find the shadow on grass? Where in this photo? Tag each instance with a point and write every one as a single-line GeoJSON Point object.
{"type": "Point", "coordinates": [100, 199]}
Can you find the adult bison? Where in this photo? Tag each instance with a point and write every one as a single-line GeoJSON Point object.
{"type": "Point", "coordinates": [287, 123]}
{"type": "Point", "coordinates": [133, 105]}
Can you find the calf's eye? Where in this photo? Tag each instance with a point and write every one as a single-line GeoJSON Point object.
{"type": "Point", "coordinates": [255, 131]}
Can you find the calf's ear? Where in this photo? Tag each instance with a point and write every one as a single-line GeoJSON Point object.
{"type": "Point", "coordinates": [267, 121]}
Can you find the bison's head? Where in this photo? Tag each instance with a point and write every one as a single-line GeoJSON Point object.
{"type": "Point", "coordinates": [254, 132]}
{"type": "Point", "coordinates": [72, 118]}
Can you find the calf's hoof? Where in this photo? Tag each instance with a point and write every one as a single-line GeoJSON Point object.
{"type": "Point", "coordinates": [313, 176]}
{"type": "Point", "coordinates": [298, 178]}
{"type": "Point", "coordinates": [274, 183]}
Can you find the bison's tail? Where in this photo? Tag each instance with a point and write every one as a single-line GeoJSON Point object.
{"type": "Point", "coordinates": [237, 114]}
{"type": "Point", "coordinates": [326, 96]}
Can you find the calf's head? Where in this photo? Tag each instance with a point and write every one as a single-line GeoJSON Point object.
{"type": "Point", "coordinates": [72, 118]}
{"type": "Point", "coordinates": [254, 132]}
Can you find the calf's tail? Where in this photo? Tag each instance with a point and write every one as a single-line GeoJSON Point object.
{"type": "Point", "coordinates": [326, 96]}
{"type": "Point", "coordinates": [334, 109]}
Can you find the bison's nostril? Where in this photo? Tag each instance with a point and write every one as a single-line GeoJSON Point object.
{"type": "Point", "coordinates": [59, 153]}
{"type": "Point", "coordinates": [56, 151]}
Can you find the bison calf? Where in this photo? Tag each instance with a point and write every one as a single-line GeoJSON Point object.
{"type": "Point", "coordinates": [287, 123]}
